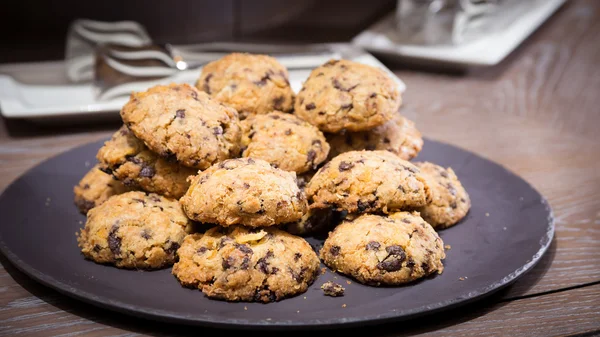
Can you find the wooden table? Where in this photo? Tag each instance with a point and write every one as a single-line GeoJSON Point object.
{"type": "Point", "coordinates": [538, 114]}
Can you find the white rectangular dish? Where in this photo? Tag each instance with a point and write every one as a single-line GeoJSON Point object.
{"type": "Point", "coordinates": [379, 39]}
{"type": "Point", "coordinates": [57, 98]}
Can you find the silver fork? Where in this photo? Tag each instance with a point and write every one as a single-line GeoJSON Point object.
{"type": "Point", "coordinates": [124, 60]}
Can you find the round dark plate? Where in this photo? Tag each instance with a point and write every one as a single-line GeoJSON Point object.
{"type": "Point", "coordinates": [506, 232]}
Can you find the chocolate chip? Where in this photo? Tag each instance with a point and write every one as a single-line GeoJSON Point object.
{"type": "Point", "coordinates": [411, 169]}
{"type": "Point", "coordinates": [226, 263]}
{"type": "Point", "coordinates": [335, 250]}
{"type": "Point", "coordinates": [206, 86]}
{"type": "Point", "coordinates": [141, 201]}
{"type": "Point", "coordinates": [321, 113]}
{"type": "Point", "coordinates": [316, 142]}
{"type": "Point", "coordinates": [146, 234]}
{"type": "Point", "coordinates": [425, 267]}
{"type": "Point", "coordinates": [278, 102]}
{"type": "Point", "coordinates": [86, 187]}
{"type": "Point", "coordinates": [251, 161]}
{"type": "Point", "coordinates": [201, 250]}
{"type": "Point", "coordinates": [401, 188]}
{"type": "Point", "coordinates": [288, 132]}
{"type": "Point", "coordinates": [97, 248]}
{"type": "Point", "coordinates": [298, 277]}
{"type": "Point", "coordinates": [451, 189]}
{"type": "Point", "coordinates": [299, 195]}
{"type": "Point", "coordinates": [124, 131]}
{"type": "Point", "coordinates": [373, 245]}
{"type": "Point", "coordinates": [263, 80]}
{"type": "Point", "coordinates": [263, 265]}
{"type": "Point", "coordinates": [172, 248]}
{"type": "Point", "coordinates": [390, 264]}
{"type": "Point", "coordinates": [297, 256]}
{"type": "Point", "coordinates": [319, 75]}
{"type": "Point", "coordinates": [245, 263]}
{"type": "Point", "coordinates": [336, 84]}
{"type": "Point", "coordinates": [405, 220]}
{"type": "Point", "coordinates": [114, 242]}
{"type": "Point", "coordinates": [373, 95]}
{"type": "Point", "coordinates": [345, 166]}
{"type": "Point", "coordinates": [147, 172]}
{"type": "Point", "coordinates": [453, 204]}
{"type": "Point", "coordinates": [463, 200]}
{"type": "Point", "coordinates": [347, 106]}
{"type": "Point", "coordinates": [154, 197]}
{"type": "Point", "coordinates": [310, 106]}
{"type": "Point", "coordinates": [246, 185]}
{"type": "Point", "coordinates": [386, 140]}
{"type": "Point", "coordinates": [194, 95]}
{"type": "Point", "coordinates": [444, 174]}
{"type": "Point", "coordinates": [180, 113]}
{"type": "Point", "coordinates": [217, 130]}
{"type": "Point", "coordinates": [332, 289]}
{"type": "Point", "coordinates": [395, 250]}
{"type": "Point", "coordinates": [244, 248]}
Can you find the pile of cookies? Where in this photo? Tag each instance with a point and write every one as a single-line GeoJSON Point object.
{"type": "Point", "coordinates": [223, 180]}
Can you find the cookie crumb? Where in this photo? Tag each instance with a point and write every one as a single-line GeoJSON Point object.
{"type": "Point", "coordinates": [87, 164]}
{"type": "Point", "coordinates": [332, 289]}
{"type": "Point", "coordinates": [245, 308]}
{"type": "Point", "coordinates": [504, 228]}
{"type": "Point", "coordinates": [344, 305]}
{"type": "Point", "coordinates": [304, 297]}
{"type": "Point", "coordinates": [298, 311]}
{"type": "Point", "coordinates": [349, 282]}
{"type": "Point", "coordinates": [521, 198]}
{"type": "Point", "coordinates": [448, 247]}
{"type": "Point", "coordinates": [463, 278]}
{"type": "Point", "coordinates": [323, 271]}
{"type": "Point", "coordinates": [487, 214]}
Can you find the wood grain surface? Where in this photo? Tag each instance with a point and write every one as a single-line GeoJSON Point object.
{"type": "Point", "coordinates": [537, 114]}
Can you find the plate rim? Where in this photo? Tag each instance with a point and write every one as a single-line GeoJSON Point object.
{"type": "Point", "coordinates": [232, 323]}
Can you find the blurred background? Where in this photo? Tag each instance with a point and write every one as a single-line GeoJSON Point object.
{"type": "Point", "coordinates": [35, 30]}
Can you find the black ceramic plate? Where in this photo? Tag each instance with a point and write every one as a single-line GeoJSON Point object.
{"type": "Point", "coordinates": [506, 232]}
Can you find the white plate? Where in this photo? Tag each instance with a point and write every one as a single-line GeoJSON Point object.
{"type": "Point", "coordinates": [485, 52]}
{"type": "Point", "coordinates": [35, 101]}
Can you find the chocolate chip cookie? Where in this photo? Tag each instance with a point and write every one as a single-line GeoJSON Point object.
{"type": "Point", "coordinates": [343, 94]}
{"type": "Point", "coordinates": [450, 202]}
{"type": "Point", "coordinates": [180, 123]}
{"type": "Point", "coordinates": [283, 140]}
{"type": "Point", "coordinates": [243, 264]}
{"type": "Point", "coordinates": [399, 136]}
{"type": "Point", "coordinates": [368, 182]}
{"type": "Point", "coordinates": [130, 161]}
{"type": "Point", "coordinates": [95, 187]}
{"type": "Point", "coordinates": [388, 250]}
{"type": "Point", "coordinates": [134, 230]}
{"type": "Point", "coordinates": [244, 191]}
{"type": "Point", "coordinates": [250, 83]}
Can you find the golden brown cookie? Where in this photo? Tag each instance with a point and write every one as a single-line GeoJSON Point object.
{"type": "Point", "coordinates": [343, 94]}
{"type": "Point", "coordinates": [389, 250]}
{"type": "Point", "coordinates": [450, 202]}
{"type": "Point", "coordinates": [243, 264]}
{"type": "Point", "coordinates": [244, 191]}
{"type": "Point", "coordinates": [94, 188]}
{"type": "Point", "coordinates": [130, 161]}
{"type": "Point", "coordinates": [283, 140]}
{"type": "Point", "coordinates": [180, 123]}
{"type": "Point", "coordinates": [399, 136]}
{"type": "Point", "coordinates": [134, 230]}
{"type": "Point", "coordinates": [368, 182]}
{"type": "Point", "coordinates": [250, 83]}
